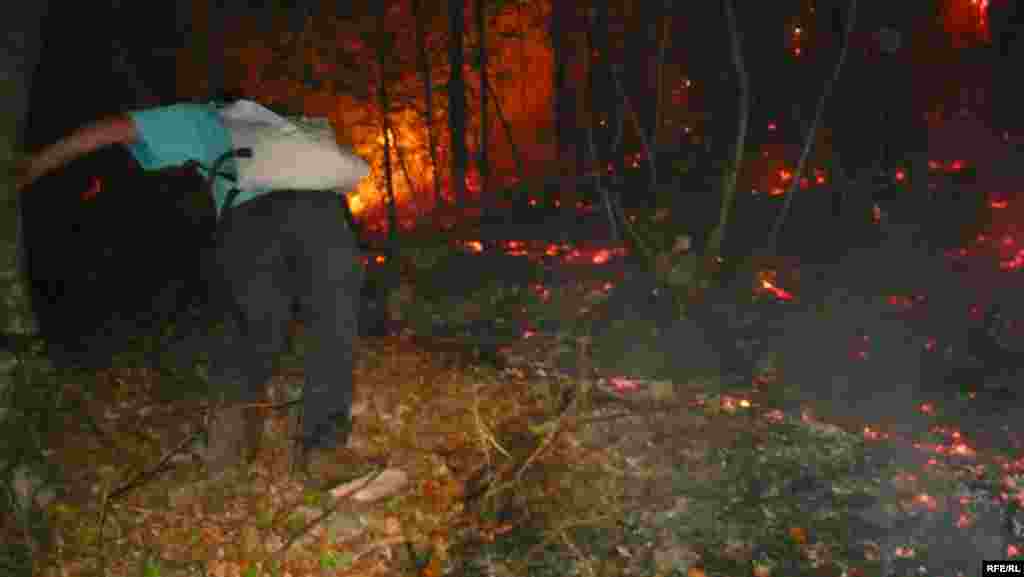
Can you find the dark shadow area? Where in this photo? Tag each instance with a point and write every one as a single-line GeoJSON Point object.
{"type": "Point", "coordinates": [113, 252]}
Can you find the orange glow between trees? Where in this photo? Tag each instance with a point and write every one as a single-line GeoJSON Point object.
{"type": "Point", "coordinates": [271, 66]}
{"type": "Point", "coordinates": [265, 65]}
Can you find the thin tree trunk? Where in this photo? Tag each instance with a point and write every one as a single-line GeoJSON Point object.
{"type": "Point", "coordinates": [714, 245]}
{"type": "Point", "coordinates": [516, 156]}
{"type": "Point", "coordinates": [641, 133]}
{"type": "Point", "coordinates": [813, 127]}
{"type": "Point", "coordinates": [569, 146]}
{"type": "Point", "coordinates": [18, 64]}
{"type": "Point", "coordinates": [596, 163]}
{"type": "Point", "coordinates": [217, 66]}
{"type": "Point", "coordinates": [481, 30]}
{"type": "Point", "coordinates": [22, 26]}
{"type": "Point", "coordinates": [523, 71]}
{"type": "Point", "coordinates": [400, 153]}
{"type": "Point", "coordinates": [457, 102]}
{"type": "Point", "coordinates": [558, 81]}
{"type": "Point", "coordinates": [615, 106]}
{"type": "Point", "coordinates": [384, 101]}
{"type": "Point", "coordinates": [428, 95]}
{"type": "Point", "coordinates": [659, 113]}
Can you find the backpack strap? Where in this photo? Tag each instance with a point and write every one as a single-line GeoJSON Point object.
{"type": "Point", "coordinates": [215, 172]}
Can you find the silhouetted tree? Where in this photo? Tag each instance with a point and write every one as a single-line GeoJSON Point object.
{"type": "Point", "coordinates": [481, 32]}
{"type": "Point", "coordinates": [423, 62]}
{"type": "Point", "coordinates": [457, 101]}
{"type": "Point", "coordinates": [385, 42]}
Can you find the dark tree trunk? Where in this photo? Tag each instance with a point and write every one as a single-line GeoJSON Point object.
{"type": "Point", "coordinates": [570, 154]}
{"type": "Point", "coordinates": [481, 30]}
{"type": "Point", "coordinates": [384, 47]}
{"type": "Point", "coordinates": [18, 64]}
{"type": "Point", "coordinates": [423, 60]}
{"type": "Point", "coordinates": [605, 97]}
{"type": "Point", "coordinates": [457, 102]}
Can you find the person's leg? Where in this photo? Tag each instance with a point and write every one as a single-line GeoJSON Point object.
{"type": "Point", "coordinates": [284, 247]}
{"type": "Point", "coordinates": [258, 299]}
{"type": "Point", "coordinates": [329, 278]}
{"type": "Point", "coordinates": [255, 269]}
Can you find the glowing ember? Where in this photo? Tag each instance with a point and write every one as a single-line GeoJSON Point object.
{"type": "Point", "coordinates": [962, 450]}
{"type": "Point", "coordinates": [542, 292]}
{"type": "Point", "coordinates": [778, 292]}
{"type": "Point", "coordinates": [732, 404]}
{"type": "Point", "coordinates": [902, 301]}
{"type": "Point", "coordinates": [905, 552]}
{"type": "Point", "coordinates": [623, 384]}
{"type": "Point", "coordinates": [927, 501]}
{"type": "Point", "coordinates": [95, 187]}
{"type": "Point", "coordinates": [1014, 263]}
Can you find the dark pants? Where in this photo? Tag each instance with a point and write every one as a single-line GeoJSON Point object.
{"type": "Point", "coordinates": [286, 251]}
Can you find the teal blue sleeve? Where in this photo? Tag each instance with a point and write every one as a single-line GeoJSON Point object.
{"type": "Point", "coordinates": [172, 135]}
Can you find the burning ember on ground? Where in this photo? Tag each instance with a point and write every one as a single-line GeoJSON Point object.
{"type": "Point", "coordinates": [562, 251]}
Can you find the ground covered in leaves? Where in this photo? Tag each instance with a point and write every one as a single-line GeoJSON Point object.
{"type": "Point", "coordinates": [469, 470]}
{"type": "Point", "coordinates": [613, 434]}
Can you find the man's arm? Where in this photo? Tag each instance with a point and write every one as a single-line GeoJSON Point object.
{"type": "Point", "coordinates": [114, 130]}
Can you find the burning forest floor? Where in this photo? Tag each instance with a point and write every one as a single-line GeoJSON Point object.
{"type": "Point", "coordinates": [837, 423]}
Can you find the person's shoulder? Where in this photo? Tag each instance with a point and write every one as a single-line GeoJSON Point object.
{"type": "Point", "coordinates": [194, 107]}
{"type": "Point", "coordinates": [175, 109]}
